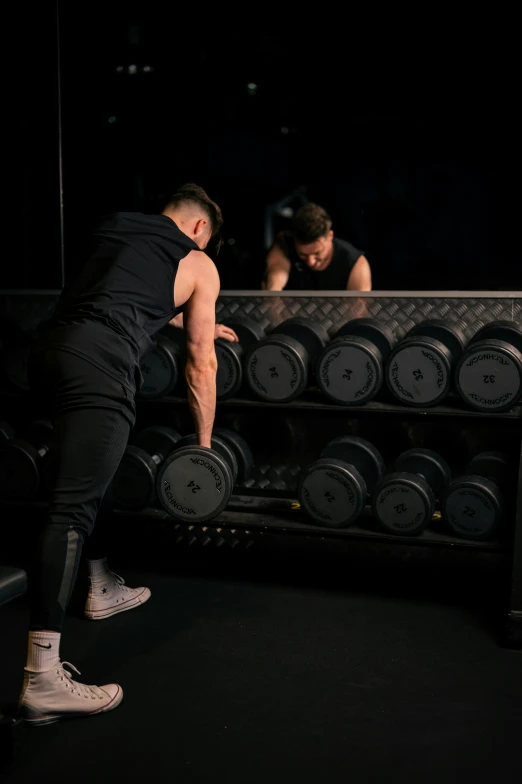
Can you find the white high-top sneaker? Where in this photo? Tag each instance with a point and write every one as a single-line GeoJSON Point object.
{"type": "Point", "coordinates": [109, 595]}
{"type": "Point", "coordinates": [53, 695]}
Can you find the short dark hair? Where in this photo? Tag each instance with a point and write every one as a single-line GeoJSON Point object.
{"type": "Point", "coordinates": [195, 194]}
{"type": "Point", "coordinates": [310, 222]}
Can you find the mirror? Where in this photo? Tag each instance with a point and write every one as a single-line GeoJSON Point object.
{"type": "Point", "coordinates": [148, 100]}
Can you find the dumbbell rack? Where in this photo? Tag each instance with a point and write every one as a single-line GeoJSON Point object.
{"type": "Point", "coordinates": [284, 437]}
{"type": "Point", "coordinates": [268, 501]}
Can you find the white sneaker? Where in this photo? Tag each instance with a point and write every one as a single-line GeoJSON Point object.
{"type": "Point", "coordinates": [109, 595]}
{"type": "Point", "coordinates": [53, 695]}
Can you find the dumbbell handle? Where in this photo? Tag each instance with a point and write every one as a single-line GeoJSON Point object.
{"type": "Point", "coordinates": [157, 457]}
{"type": "Point", "coordinates": [41, 451]}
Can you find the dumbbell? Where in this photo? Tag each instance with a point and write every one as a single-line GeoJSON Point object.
{"type": "Point", "coordinates": [231, 356]}
{"type": "Point", "coordinates": [419, 370]}
{"type": "Point", "coordinates": [195, 483]}
{"type": "Point", "coordinates": [350, 368]}
{"type": "Point", "coordinates": [281, 365]}
{"type": "Point", "coordinates": [404, 501]}
{"type": "Point", "coordinates": [160, 368]}
{"type": "Point", "coordinates": [134, 484]}
{"type": "Point", "coordinates": [6, 431]}
{"type": "Point", "coordinates": [22, 461]}
{"type": "Point", "coordinates": [488, 375]}
{"type": "Point", "coordinates": [473, 503]}
{"type": "Point", "coordinates": [334, 489]}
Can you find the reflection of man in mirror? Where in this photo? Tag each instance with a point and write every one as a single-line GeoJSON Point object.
{"type": "Point", "coordinates": [308, 257]}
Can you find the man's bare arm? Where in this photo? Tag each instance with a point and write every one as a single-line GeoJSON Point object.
{"type": "Point", "coordinates": [201, 362]}
{"type": "Point", "coordinates": [220, 331]}
{"type": "Point", "coordinates": [360, 278]}
{"type": "Point", "coordinates": [277, 268]}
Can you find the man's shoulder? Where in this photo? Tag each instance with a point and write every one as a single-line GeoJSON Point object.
{"type": "Point", "coordinates": [345, 245]}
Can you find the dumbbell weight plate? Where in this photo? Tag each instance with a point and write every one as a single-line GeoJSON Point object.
{"type": "Point", "coordinates": [404, 502]}
{"type": "Point", "coordinates": [134, 484]}
{"type": "Point", "coordinates": [22, 463]}
{"type": "Point", "coordinates": [360, 453]}
{"type": "Point", "coordinates": [488, 375]}
{"type": "Point", "coordinates": [229, 376]}
{"type": "Point", "coordinates": [452, 335]}
{"type": "Point", "coordinates": [219, 445]}
{"type": "Point", "coordinates": [334, 489]}
{"type": "Point", "coordinates": [419, 369]}
{"type": "Point", "coordinates": [157, 440]}
{"type": "Point", "coordinates": [382, 335]}
{"type": "Point", "coordinates": [230, 355]}
{"type": "Point", "coordinates": [194, 484]}
{"type": "Point", "coordinates": [349, 371]}
{"type": "Point", "coordinates": [241, 449]}
{"type": "Point", "coordinates": [332, 492]}
{"type": "Point", "coordinates": [429, 464]}
{"type": "Point", "coordinates": [311, 334]}
{"type": "Point", "coordinates": [507, 331]}
{"type": "Point", "coordinates": [247, 330]}
{"type": "Point", "coordinates": [277, 370]}
{"type": "Point", "coordinates": [473, 507]}
{"type": "Point", "coordinates": [473, 504]}
{"type": "Point", "coordinates": [159, 368]}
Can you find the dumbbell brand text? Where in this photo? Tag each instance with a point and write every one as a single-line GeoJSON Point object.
{"type": "Point", "coordinates": [467, 529]}
{"type": "Point", "coordinates": [324, 370]}
{"type": "Point", "coordinates": [438, 367]}
{"type": "Point", "coordinates": [293, 380]}
{"type": "Point", "coordinates": [211, 468]}
{"type": "Point", "coordinates": [404, 526]}
{"type": "Point", "coordinates": [397, 383]}
{"type": "Point", "coordinates": [482, 499]}
{"type": "Point", "coordinates": [230, 374]}
{"type": "Point", "coordinates": [310, 503]}
{"type": "Point", "coordinates": [253, 375]}
{"type": "Point", "coordinates": [492, 401]}
{"type": "Point", "coordinates": [395, 489]}
{"type": "Point", "coordinates": [369, 383]}
{"type": "Point", "coordinates": [342, 481]}
{"type": "Point", "coordinates": [174, 502]}
{"type": "Point", "coordinates": [485, 357]}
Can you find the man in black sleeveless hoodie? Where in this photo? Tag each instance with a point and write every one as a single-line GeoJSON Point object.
{"type": "Point", "coordinates": [142, 272]}
{"type": "Point", "coordinates": [311, 258]}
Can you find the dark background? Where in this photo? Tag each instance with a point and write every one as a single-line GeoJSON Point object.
{"type": "Point", "coordinates": [400, 127]}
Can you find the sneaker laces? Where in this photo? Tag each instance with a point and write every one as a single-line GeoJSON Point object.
{"type": "Point", "coordinates": [81, 689]}
{"type": "Point", "coordinates": [120, 582]}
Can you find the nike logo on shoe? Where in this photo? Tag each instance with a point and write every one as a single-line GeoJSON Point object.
{"type": "Point", "coordinates": [43, 646]}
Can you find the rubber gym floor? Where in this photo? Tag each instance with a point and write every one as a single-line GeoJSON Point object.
{"type": "Point", "coordinates": [292, 661]}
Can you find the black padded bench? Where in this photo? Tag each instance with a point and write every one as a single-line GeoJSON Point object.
{"type": "Point", "coordinates": [13, 584]}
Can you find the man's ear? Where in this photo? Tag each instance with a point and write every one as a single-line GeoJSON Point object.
{"type": "Point", "coordinates": [200, 227]}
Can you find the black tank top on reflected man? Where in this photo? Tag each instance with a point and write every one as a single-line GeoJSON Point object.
{"type": "Point", "coordinates": [334, 277]}
{"type": "Point", "coordinates": [122, 295]}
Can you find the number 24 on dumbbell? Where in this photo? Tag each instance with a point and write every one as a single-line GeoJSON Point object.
{"type": "Point", "coordinates": [194, 483]}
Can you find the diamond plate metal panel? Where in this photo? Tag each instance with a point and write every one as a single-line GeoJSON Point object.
{"type": "Point", "coordinates": [471, 310]}
{"type": "Point", "coordinates": [467, 309]}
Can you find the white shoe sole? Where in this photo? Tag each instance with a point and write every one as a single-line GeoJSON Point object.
{"type": "Point", "coordinates": [37, 721]}
{"type": "Point", "coordinates": [106, 612]}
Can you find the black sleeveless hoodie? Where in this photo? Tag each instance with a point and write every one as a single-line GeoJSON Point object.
{"type": "Point", "coordinates": [122, 295]}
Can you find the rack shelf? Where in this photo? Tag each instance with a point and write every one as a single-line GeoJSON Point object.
{"type": "Point", "coordinates": [313, 402]}
{"type": "Point", "coordinates": [245, 519]}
